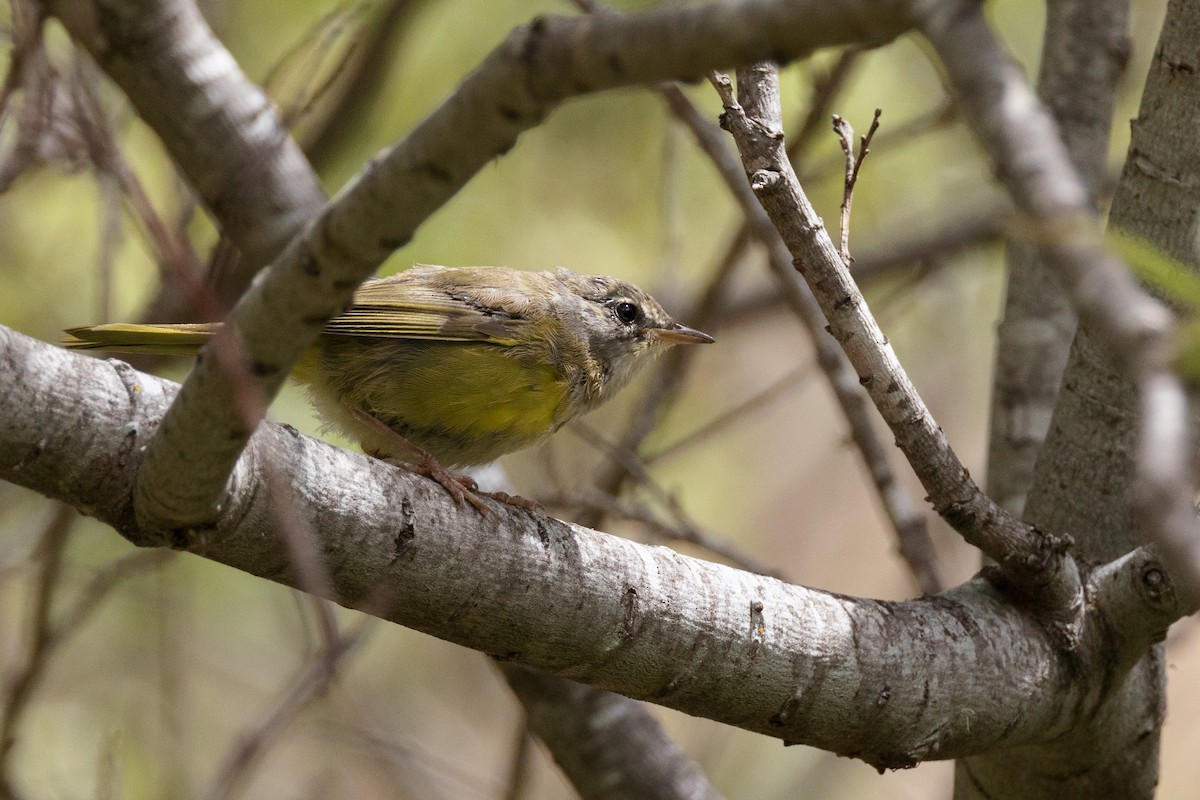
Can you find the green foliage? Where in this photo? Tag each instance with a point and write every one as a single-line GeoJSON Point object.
{"type": "Point", "coordinates": [1178, 284]}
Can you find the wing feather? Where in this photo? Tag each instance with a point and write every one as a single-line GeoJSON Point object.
{"type": "Point", "coordinates": [397, 309]}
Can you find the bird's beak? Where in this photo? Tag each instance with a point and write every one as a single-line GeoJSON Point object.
{"type": "Point", "coordinates": [682, 334]}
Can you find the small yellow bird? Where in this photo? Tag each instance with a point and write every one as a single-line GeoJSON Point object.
{"type": "Point", "coordinates": [457, 366]}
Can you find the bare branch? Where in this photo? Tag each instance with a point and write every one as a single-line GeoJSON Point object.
{"type": "Point", "coordinates": [854, 162]}
{"type": "Point", "coordinates": [1083, 57]}
{"type": "Point", "coordinates": [915, 545]}
{"type": "Point", "coordinates": [309, 686]}
{"type": "Point", "coordinates": [218, 127]}
{"type": "Point", "coordinates": [597, 608]}
{"type": "Point", "coordinates": [20, 687]}
{"type": "Point", "coordinates": [1132, 325]}
{"type": "Point", "coordinates": [609, 746]}
{"type": "Point", "coordinates": [1031, 558]}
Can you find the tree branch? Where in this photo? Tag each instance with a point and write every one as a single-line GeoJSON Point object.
{"type": "Point", "coordinates": [1083, 57]}
{"type": "Point", "coordinates": [857, 677]}
{"type": "Point", "coordinates": [915, 546]}
{"type": "Point", "coordinates": [1033, 560]}
{"type": "Point", "coordinates": [1034, 166]}
{"type": "Point", "coordinates": [595, 735]}
{"type": "Point", "coordinates": [512, 90]}
{"type": "Point", "coordinates": [220, 128]}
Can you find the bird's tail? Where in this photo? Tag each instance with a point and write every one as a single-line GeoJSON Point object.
{"type": "Point", "coordinates": [157, 340]}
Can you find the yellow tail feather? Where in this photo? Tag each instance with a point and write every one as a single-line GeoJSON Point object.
{"type": "Point", "coordinates": [159, 340]}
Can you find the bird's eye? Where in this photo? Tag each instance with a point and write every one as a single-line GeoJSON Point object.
{"type": "Point", "coordinates": [626, 311]}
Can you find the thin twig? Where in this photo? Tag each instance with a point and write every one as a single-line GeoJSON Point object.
{"type": "Point", "coordinates": [864, 146]}
{"type": "Point", "coordinates": [941, 116]}
{"type": "Point", "coordinates": [854, 163]}
{"type": "Point", "coordinates": [310, 685]}
{"type": "Point", "coordinates": [21, 687]}
{"type": "Point", "coordinates": [845, 135]}
{"type": "Point", "coordinates": [788, 383]}
{"type": "Point", "coordinates": [521, 761]}
{"type": "Point", "coordinates": [45, 636]}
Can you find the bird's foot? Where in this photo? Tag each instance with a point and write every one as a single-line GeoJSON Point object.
{"type": "Point", "coordinates": [465, 488]}
{"type": "Point", "coordinates": [461, 487]}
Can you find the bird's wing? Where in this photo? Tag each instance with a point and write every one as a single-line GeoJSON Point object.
{"type": "Point", "coordinates": [400, 310]}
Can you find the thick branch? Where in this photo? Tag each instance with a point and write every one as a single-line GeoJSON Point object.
{"type": "Point", "coordinates": [885, 682]}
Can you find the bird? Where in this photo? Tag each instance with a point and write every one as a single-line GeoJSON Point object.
{"type": "Point", "coordinates": [441, 367]}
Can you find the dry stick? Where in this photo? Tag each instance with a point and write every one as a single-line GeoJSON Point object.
{"type": "Point", "coordinates": [909, 130]}
{"type": "Point", "coordinates": [972, 230]}
{"type": "Point", "coordinates": [47, 637]}
{"type": "Point", "coordinates": [685, 529]}
{"type": "Point", "coordinates": [794, 380]}
{"type": "Point", "coordinates": [21, 686]}
{"type": "Point", "coordinates": [1036, 168]}
{"type": "Point", "coordinates": [520, 763]}
{"type": "Point", "coordinates": [309, 686]}
{"type": "Point", "coordinates": [845, 135]}
{"type": "Point", "coordinates": [914, 543]}
{"type": "Point", "coordinates": [177, 262]}
{"type": "Point", "coordinates": [853, 164]}
{"type": "Point", "coordinates": [1034, 561]}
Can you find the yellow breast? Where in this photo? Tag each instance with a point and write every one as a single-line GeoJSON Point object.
{"type": "Point", "coordinates": [466, 403]}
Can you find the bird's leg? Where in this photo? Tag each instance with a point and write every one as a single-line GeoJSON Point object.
{"type": "Point", "coordinates": [460, 487]}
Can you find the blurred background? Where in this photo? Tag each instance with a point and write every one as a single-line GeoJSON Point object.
{"type": "Point", "coordinates": [168, 662]}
